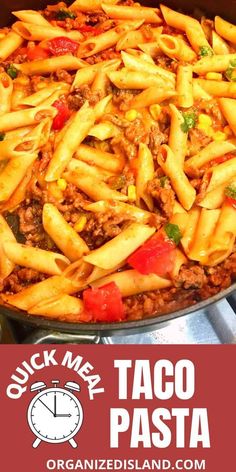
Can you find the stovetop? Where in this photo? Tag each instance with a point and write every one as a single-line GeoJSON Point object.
{"type": "Point", "coordinates": [214, 325]}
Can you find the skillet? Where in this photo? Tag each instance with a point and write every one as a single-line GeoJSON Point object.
{"type": "Point", "coordinates": [211, 7]}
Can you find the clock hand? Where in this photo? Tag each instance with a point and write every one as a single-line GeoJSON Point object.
{"type": "Point", "coordinates": [55, 404]}
{"type": "Point", "coordinates": [63, 415]}
{"type": "Point", "coordinates": [46, 407]}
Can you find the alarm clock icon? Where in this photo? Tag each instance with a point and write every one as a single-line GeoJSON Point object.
{"type": "Point", "coordinates": [55, 414]}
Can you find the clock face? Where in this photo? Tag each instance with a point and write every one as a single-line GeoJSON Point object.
{"type": "Point", "coordinates": [55, 415]}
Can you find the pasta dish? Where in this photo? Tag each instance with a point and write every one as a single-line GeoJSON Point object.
{"type": "Point", "coordinates": [117, 160]}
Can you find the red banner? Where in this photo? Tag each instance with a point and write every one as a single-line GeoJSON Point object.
{"type": "Point", "coordinates": [117, 408]}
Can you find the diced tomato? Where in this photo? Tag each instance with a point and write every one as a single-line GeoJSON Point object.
{"type": "Point", "coordinates": [133, 163]}
{"type": "Point", "coordinates": [231, 201]}
{"type": "Point", "coordinates": [104, 303]}
{"type": "Point", "coordinates": [62, 116]}
{"type": "Point", "coordinates": [224, 158]}
{"type": "Point", "coordinates": [62, 45]}
{"type": "Point", "coordinates": [36, 53]}
{"type": "Point", "coordinates": [89, 29]}
{"type": "Point", "coordinates": [156, 256]}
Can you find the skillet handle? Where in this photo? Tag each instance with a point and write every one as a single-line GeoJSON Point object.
{"type": "Point", "coordinates": [41, 336]}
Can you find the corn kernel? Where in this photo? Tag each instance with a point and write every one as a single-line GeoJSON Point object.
{"type": "Point", "coordinates": [155, 111]}
{"type": "Point", "coordinates": [204, 120]}
{"type": "Point", "coordinates": [228, 131]}
{"type": "Point", "coordinates": [62, 184]}
{"type": "Point", "coordinates": [80, 224]}
{"type": "Point", "coordinates": [214, 76]}
{"type": "Point", "coordinates": [208, 130]}
{"type": "Point", "coordinates": [131, 115]}
{"type": "Point", "coordinates": [219, 136]}
{"type": "Point", "coordinates": [131, 193]}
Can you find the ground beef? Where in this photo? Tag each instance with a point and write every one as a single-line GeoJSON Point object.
{"type": "Point", "coordinates": [63, 76]}
{"type": "Point", "coordinates": [80, 95]}
{"type": "Point", "coordinates": [101, 227]}
{"type": "Point", "coordinates": [121, 145]}
{"type": "Point", "coordinates": [106, 55]}
{"type": "Point", "coordinates": [190, 277]}
{"type": "Point", "coordinates": [164, 196]}
{"type": "Point", "coordinates": [20, 278]}
{"type": "Point", "coordinates": [122, 98]}
{"type": "Point", "coordinates": [198, 140]}
{"type": "Point", "coordinates": [156, 139]}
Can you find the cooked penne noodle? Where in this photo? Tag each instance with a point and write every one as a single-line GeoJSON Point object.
{"type": "Point", "coordinates": [41, 95]}
{"type": "Point", "coordinates": [94, 188]}
{"type": "Point", "coordinates": [87, 74]}
{"type": "Point", "coordinates": [175, 19]}
{"type": "Point", "coordinates": [31, 296]}
{"type": "Point", "coordinates": [215, 198]}
{"type": "Point", "coordinates": [80, 167]}
{"type": "Point", "coordinates": [176, 48]}
{"type": "Point", "coordinates": [71, 244]}
{"type": "Point", "coordinates": [19, 194]}
{"type": "Point", "coordinates": [89, 5]}
{"type": "Point", "coordinates": [135, 63]}
{"type": "Point", "coordinates": [184, 86]}
{"type": "Point", "coordinates": [211, 151]}
{"type": "Point", "coordinates": [149, 15]}
{"type": "Point", "coordinates": [119, 248]}
{"type": "Point", "coordinates": [29, 116]}
{"type": "Point", "coordinates": [13, 173]}
{"type": "Point", "coordinates": [131, 282]}
{"type": "Point", "coordinates": [6, 235]}
{"type": "Point", "coordinates": [145, 172]}
{"type": "Point", "coordinates": [128, 79]}
{"type": "Point", "coordinates": [196, 36]}
{"type": "Point", "coordinates": [177, 138]}
{"type": "Point", "coordinates": [65, 306]}
{"type": "Point", "coordinates": [180, 259]}
{"type": "Point", "coordinates": [204, 232]}
{"type": "Point", "coordinates": [103, 131]}
{"type": "Point", "coordinates": [184, 190]}
{"type": "Point", "coordinates": [190, 229]}
{"type": "Point", "coordinates": [100, 83]}
{"type": "Point", "coordinates": [21, 89]}
{"type": "Point", "coordinates": [228, 108]}
{"type": "Point", "coordinates": [180, 219]}
{"type": "Point", "coordinates": [74, 135]}
{"type": "Point", "coordinates": [13, 148]}
{"type": "Point", "coordinates": [47, 262]}
{"type": "Point", "coordinates": [34, 32]}
{"type": "Point", "coordinates": [151, 96]}
{"type": "Point", "coordinates": [219, 46]}
{"type": "Point", "coordinates": [121, 209]}
{"type": "Point", "coordinates": [31, 16]}
{"type": "Point", "coordinates": [225, 29]}
{"type": "Point", "coordinates": [101, 107]}
{"type": "Point", "coordinates": [130, 40]}
{"type": "Point", "coordinates": [106, 40]}
{"type": "Point", "coordinates": [52, 64]}
{"type": "Point", "coordinates": [8, 44]}
{"type": "Point", "coordinates": [224, 236]}
{"type": "Point", "coordinates": [199, 93]}
{"type": "Point", "coordinates": [217, 63]}
{"type": "Point", "coordinates": [6, 89]}
{"type": "Point", "coordinates": [178, 208]}
{"type": "Point", "coordinates": [152, 49]}
{"type": "Point", "coordinates": [222, 173]}
{"type": "Point", "coordinates": [105, 160]}
{"type": "Point", "coordinates": [218, 89]}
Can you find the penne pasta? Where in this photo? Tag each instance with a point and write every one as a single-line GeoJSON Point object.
{"type": "Point", "coordinates": [65, 306]}
{"type": "Point", "coordinates": [176, 48]}
{"type": "Point", "coordinates": [47, 262]}
{"type": "Point", "coordinates": [52, 64]}
{"type": "Point", "coordinates": [196, 37]}
{"type": "Point", "coordinates": [151, 96]}
{"type": "Point", "coordinates": [215, 198]}
{"type": "Point", "coordinates": [6, 89]}
{"type": "Point", "coordinates": [35, 32]}
{"type": "Point", "coordinates": [86, 75]}
{"type": "Point", "coordinates": [94, 188]}
{"type": "Point", "coordinates": [27, 117]}
{"type": "Point", "coordinates": [13, 173]}
{"type": "Point", "coordinates": [80, 167]}
{"type": "Point", "coordinates": [177, 137]}
{"type": "Point", "coordinates": [41, 95]}
{"type": "Point", "coordinates": [190, 229]}
{"type": "Point", "coordinates": [6, 235]}
{"type": "Point", "coordinates": [184, 190]}
{"type": "Point", "coordinates": [211, 151]}
{"type": "Point", "coordinates": [119, 248]}
{"type": "Point", "coordinates": [217, 89]}
{"type": "Point", "coordinates": [128, 79]}
{"type": "Point", "coordinates": [135, 63]}
{"type": "Point", "coordinates": [8, 44]}
{"type": "Point", "coordinates": [144, 174]}
{"type": "Point", "coordinates": [105, 160]}
{"type": "Point", "coordinates": [74, 135]}
{"type": "Point", "coordinates": [228, 108]}
{"type": "Point", "coordinates": [175, 19]}
{"type": "Point", "coordinates": [184, 86]}
{"type": "Point", "coordinates": [31, 296]}
{"type": "Point", "coordinates": [217, 63]}
{"type": "Point", "coordinates": [89, 5]}
{"type": "Point", "coordinates": [204, 232]}
{"type": "Point", "coordinates": [219, 46]}
{"type": "Point", "coordinates": [225, 29]}
{"type": "Point", "coordinates": [131, 282]}
{"type": "Point", "coordinates": [121, 209]}
{"type": "Point", "coordinates": [118, 12]}
{"type": "Point", "coordinates": [224, 236]}
{"type": "Point", "coordinates": [222, 173]}
{"type": "Point", "coordinates": [31, 16]}
{"type": "Point", "coordinates": [71, 244]}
